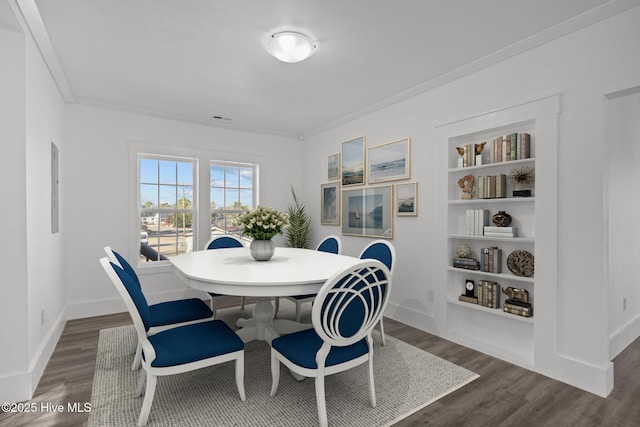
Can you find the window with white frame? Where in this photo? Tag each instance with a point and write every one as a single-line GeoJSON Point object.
{"type": "Point", "coordinates": [233, 190]}
{"type": "Point", "coordinates": [167, 195]}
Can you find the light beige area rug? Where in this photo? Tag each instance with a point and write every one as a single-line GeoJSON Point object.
{"type": "Point", "coordinates": [406, 379]}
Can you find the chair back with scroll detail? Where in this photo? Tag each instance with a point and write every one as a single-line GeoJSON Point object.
{"type": "Point", "coordinates": [346, 309]}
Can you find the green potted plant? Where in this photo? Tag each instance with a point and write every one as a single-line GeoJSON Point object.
{"type": "Point", "coordinates": [299, 230]}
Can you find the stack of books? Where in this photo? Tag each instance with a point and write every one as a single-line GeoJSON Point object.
{"type": "Point", "coordinates": [471, 300]}
{"type": "Point", "coordinates": [491, 260]}
{"type": "Point", "coordinates": [491, 187]}
{"type": "Point", "coordinates": [513, 146]}
{"type": "Point", "coordinates": [467, 263]}
{"type": "Point", "coordinates": [518, 307]}
{"type": "Point", "coordinates": [488, 294]}
{"type": "Point", "coordinates": [491, 231]}
{"type": "Point", "coordinates": [475, 221]}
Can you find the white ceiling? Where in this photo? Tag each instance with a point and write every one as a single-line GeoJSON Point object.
{"type": "Point", "coordinates": [193, 59]}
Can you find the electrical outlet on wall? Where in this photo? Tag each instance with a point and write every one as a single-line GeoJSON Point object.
{"type": "Point", "coordinates": [431, 295]}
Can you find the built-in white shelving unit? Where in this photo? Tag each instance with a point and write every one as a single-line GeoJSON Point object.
{"type": "Point", "coordinates": [526, 341]}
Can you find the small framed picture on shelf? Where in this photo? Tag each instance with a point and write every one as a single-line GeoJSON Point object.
{"type": "Point", "coordinates": [333, 167]}
{"type": "Point", "coordinates": [330, 203]}
{"type": "Point", "coordinates": [389, 162]}
{"type": "Point", "coordinates": [407, 199]}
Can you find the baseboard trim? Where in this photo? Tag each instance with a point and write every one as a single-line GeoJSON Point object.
{"type": "Point", "coordinates": [586, 376]}
{"type": "Point", "coordinates": [620, 339]}
{"type": "Point", "coordinates": [412, 317]}
{"type": "Point", "coordinates": [45, 350]}
{"type": "Point", "coordinates": [101, 307]}
{"type": "Point", "coordinates": [15, 387]}
{"type": "Point", "coordinates": [21, 386]}
{"type": "Point", "coordinates": [591, 378]}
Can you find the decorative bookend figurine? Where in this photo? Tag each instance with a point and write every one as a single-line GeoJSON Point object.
{"type": "Point", "coordinates": [522, 178]}
{"type": "Point", "coordinates": [470, 155]}
{"type": "Point", "coordinates": [466, 184]}
{"type": "Point", "coordinates": [517, 294]}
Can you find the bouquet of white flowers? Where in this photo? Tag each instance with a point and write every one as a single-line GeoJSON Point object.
{"type": "Point", "coordinates": [263, 223]}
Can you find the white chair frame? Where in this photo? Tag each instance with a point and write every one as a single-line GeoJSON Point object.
{"type": "Point", "coordinates": [393, 266]}
{"type": "Point", "coordinates": [155, 329]}
{"type": "Point", "coordinates": [299, 302]}
{"type": "Point", "coordinates": [326, 326]}
{"type": "Point", "coordinates": [149, 374]}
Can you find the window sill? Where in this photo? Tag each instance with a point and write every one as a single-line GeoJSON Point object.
{"type": "Point", "coordinates": [154, 267]}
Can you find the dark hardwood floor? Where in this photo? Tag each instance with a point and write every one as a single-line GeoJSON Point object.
{"type": "Point", "coordinates": [504, 395]}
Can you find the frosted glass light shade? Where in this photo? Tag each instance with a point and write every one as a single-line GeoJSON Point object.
{"type": "Point", "coordinates": [289, 46]}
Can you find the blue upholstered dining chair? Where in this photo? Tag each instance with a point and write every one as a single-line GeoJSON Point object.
{"type": "Point", "coordinates": [223, 241]}
{"type": "Point", "coordinates": [345, 310]}
{"type": "Point", "coordinates": [177, 350]}
{"type": "Point", "coordinates": [384, 252]}
{"type": "Point", "coordinates": [331, 244]}
{"type": "Point", "coordinates": [163, 315]}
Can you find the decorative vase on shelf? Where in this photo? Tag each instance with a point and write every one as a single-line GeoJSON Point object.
{"type": "Point", "coordinates": [501, 219]}
{"type": "Point", "coordinates": [262, 250]}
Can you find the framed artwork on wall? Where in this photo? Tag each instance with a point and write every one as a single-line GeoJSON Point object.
{"type": "Point", "coordinates": [368, 212]}
{"type": "Point", "coordinates": [407, 199]}
{"type": "Point", "coordinates": [333, 167]}
{"type": "Point", "coordinates": [330, 203]}
{"type": "Point", "coordinates": [389, 162]}
{"type": "Point", "coordinates": [353, 161]}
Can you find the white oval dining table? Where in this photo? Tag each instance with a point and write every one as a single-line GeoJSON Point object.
{"type": "Point", "coordinates": [233, 271]}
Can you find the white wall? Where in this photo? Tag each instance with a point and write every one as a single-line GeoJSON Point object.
{"type": "Point", "coordinates": [582, 67]}
{"type": "Point", "coordinates": [14, 360]}
{"type": "Point", "coordinates": [623, 149]}
{"type": "Point", "coordinates": [98, 200]}
{"type": "Point", "coordinates": [31, 109]}
{"type": "Point", "coordinates": [46, 293]}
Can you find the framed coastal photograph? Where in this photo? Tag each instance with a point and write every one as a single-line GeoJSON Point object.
{"type": "Point", "coordinates": [330, 203]}
{"type": "Point", "coordinates": [353, 161]}
{"type": "Point", "coordinates": [407, 199]}
{"type": "Point", "coordinates": [368, 212]}
{"type": "Point", "coordinates": [389, 162]}
{"type": "Point", "coordinates": [333, 167]}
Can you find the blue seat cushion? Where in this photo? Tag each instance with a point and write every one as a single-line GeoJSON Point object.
{"type": "Point", "coordinates": [171, 312]}
{"type": "Point", "coordinates": [190, 343]}
{"type": "Point", "coordinates": [301, 348]}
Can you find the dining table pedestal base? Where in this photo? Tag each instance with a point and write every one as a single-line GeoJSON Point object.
{"type": "Point", "coordinates": [262, 326]}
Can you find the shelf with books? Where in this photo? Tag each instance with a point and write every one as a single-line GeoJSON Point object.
{"type": "Point", "coordinates": [492, 311]}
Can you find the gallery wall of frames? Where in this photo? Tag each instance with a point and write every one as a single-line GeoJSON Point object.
{"type": "Point", "coordinates": [368, 186]}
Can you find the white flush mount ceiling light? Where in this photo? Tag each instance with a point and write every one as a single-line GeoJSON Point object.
{"type": "Point", "coordinates": [291, 46]}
